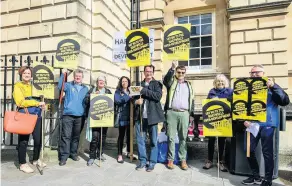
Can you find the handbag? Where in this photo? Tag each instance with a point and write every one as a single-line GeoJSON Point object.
{"type": "Point", "coordinates": [117, 114]}
{"type": "Point", "coordinates": [19, 123]}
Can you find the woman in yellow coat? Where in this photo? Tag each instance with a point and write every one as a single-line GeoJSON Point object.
{"type": "Point", "coordinates": [22, 95]}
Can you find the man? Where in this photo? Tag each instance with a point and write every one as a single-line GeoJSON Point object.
{"type": "Point", "coordinates": [152, 114]}
{"type": "Point", "coordinates": [276, 96]}
{"type": "Point", "coordinates": [73, 116]}
{"type": "Point", "coordinates": [178, 107]}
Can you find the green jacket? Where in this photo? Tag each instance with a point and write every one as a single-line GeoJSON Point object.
{"type": "Point", "coordinates": [171, 82]}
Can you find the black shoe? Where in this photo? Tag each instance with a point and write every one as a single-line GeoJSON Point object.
{"type": "Point", "coordinates": [140, 167]}
{"type": "Point", "coordinates": [266, 183]}
{"type": "Point", "coordinates": [62, 163]}
{"type": "Point", "coordinates": [76, 158]}
{"type": "Point", "coordinates": [150, 168]}
{"type": "Point", "coordinates": [251, 181]}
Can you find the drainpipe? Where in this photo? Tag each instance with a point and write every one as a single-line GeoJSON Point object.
{"type": "Point", "coordinates": [137, 27]}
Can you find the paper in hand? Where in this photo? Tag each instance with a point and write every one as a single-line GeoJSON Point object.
{"type": "Point", "coordinates": [254, 129]}
{"type": "Point", "coordinates": [135, 90]}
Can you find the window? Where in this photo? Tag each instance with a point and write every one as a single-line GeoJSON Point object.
{"type": "Point", "coordinates": [200, 41]}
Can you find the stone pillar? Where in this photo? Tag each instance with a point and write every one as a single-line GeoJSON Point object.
{"type": "Point", "coordinates": [258, 35]}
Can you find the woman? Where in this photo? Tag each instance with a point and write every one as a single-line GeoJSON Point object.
{"type": "Point", "coordinates": [94, 134]}
{"type": "Point", "coordinates": [122, 101]}
{"type": "Point", "coordinates": [220, 90]}
{"type": "Point", "coordinates": [22, 95]}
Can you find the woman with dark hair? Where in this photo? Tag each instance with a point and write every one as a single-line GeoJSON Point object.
{"type": "Point", "coordinates": [22, 96]}
{"type": "Point", "coordinates": [122, 101]}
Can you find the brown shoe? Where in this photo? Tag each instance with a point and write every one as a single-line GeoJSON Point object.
{"type": "Point", "coordinates": [184, 165]}
{"type": "Point", "coordinates": [208, 165]}
{"type": "Point", "coordinates": [170, 164]}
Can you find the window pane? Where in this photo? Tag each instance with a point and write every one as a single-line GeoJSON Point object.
{"type": "Point", "coordinates": [195, 62]}
{"type": "Point", "coordinates": [206, 52]}
{"type": "Point", "coordinates": [206, 41]}
{"type": "Point", "coordinates": [195, 20]}
{"type": "Point", "coordinates": [182, 20]}
{"type": "Point", "coordinates": [195, 30]}
{"type": "Point", "coordinates": [195, 42]}
{"type": "Point", "coordinates": [183, 63]}
{"type": "Point", "coordinates": [206, 18]}
{"type": "Point", "coordinates": [206, 62]}
{"type": "Point", "coordinates": [206, 29]}
{"type": "Point", "coordinates": [195, 53]}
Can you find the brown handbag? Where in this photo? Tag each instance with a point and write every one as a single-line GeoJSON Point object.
{"type": "Point", "coordinates": [19, 123]}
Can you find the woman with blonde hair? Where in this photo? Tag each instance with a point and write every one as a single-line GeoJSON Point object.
{"type": "Point", "coordinates": [22, 96]}
{"type": "Point", "coordinates": [220, 90]}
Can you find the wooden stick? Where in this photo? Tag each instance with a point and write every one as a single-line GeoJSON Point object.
{"type": "Point", "coordinates": [218, 156]}
{"type": "Point", "coordinates": [248, 144]}
{"type": "Point", "coordinates": [141, 121]}
{"type": "Point", "coordinates": [131, 130]}
{"type": "Point", "coordinates": [100, 149]}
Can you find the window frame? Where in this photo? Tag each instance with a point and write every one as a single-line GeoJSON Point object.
{"type": "Point", "coordinates": [214, 56]}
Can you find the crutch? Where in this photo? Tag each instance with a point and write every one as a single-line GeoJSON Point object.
{"type": "Point", "coordinates": [41, 168]}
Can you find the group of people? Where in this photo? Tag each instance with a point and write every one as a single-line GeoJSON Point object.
{"type": "Point", "coordinates": [148, 112]}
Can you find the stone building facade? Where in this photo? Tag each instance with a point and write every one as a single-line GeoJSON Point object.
{"type": "Point", "coordinates": [228, 36]}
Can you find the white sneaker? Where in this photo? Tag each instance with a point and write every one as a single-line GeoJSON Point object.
{"type": "Point", "coordinates": [39, 163]}
{"type": "Point", "coordinates": [26, 168]}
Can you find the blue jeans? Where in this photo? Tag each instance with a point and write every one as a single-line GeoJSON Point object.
{"type": "Point", "coordinates": [141, 142]}
{"type": "Point", "coordinates": [266, 134]}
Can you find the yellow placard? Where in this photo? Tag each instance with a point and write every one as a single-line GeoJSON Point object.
{"type": "Point", "coordinates": [217, 117]}
{"type": "Point", "coordinates": [43, 80]}
{"type": "Point", "coordinates": [176, 43]}
{"type": "Point", "coordinates": [250, 99]}
{"type": "Point", "coordinates": [137, 47]}
{"type": "Point", "coordinates": [67, 53]}
{"type": "Point", "coordinates": [101, 111]}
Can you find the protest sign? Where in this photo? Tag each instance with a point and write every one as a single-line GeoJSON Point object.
{"type": "Point", "coordinates": [101, 110]}
{"type": "Point", "coordinates": [217, 117]}
{"type": "Point", "coordinates": [176, 43]}
{"type": "Point", "coordinates": [137, 47]}
{"type": "Point", "coordinates": [250, 99]}
{"type": "Point", "coordinates": [67, 54]}
{"type": "Point", "coordinates": [43, 80]}
{"type": "Point", "coordinates": [119, 46]}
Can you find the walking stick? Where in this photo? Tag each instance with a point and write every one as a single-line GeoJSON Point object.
{"type": "Point", "coordinates": [41, 168]}
{"type": "Point", "coordinates": [131, 131]}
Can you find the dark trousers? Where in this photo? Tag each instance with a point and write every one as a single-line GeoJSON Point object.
{"type": "Point", "coordinates": [266, 134]}
{"type": "Point", "coordinates": [71, 129]}
{"type": "Point", "coordinates": [95, 141]}
{"type": "Point", "coordinates": [37, 143]}
{"type": "Point", "coordinates": [211, 146]}
{"type": "Point", "coordinates": [123, 130]}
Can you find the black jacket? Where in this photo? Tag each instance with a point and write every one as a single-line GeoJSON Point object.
{"type": "Point", "coordinates": [87, 99]}
{"type": "Point", "coordinates": [153, 94]}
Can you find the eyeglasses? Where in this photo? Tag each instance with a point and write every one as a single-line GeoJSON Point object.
{"type": "Point", "coordinates": [149, 71]}
{"type": "Point", "coordinates": [179, 72]}
{"type": "Point", "coordinates": [255, 72]}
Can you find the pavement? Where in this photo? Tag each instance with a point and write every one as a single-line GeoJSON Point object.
{"type": "Point", "coordinates": [111, 173]}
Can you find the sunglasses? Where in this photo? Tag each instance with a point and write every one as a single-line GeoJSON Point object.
{"type": "Point", "coordinates": [179, 72]}
{"type": "Point", "coordinates": [255, 72]}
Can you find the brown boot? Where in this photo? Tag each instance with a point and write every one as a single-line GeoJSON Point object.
{"type": "Point", "coordinates": [170, 164]}
{"type": "Point", "coordinates": [184, 165]}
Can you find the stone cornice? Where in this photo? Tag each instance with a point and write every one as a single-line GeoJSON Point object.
{"type": "Point", "coordinates": [201, 76]}
{"type": "Point", "coordinates": [152, 22]}
{"type": "Point", "coordinates": [257, 7]}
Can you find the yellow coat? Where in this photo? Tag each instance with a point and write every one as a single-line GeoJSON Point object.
{"type": "Point", "coordinates": [21, 91]}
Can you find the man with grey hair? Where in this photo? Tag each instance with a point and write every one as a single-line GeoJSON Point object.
{"type": "Point", "coordinates": [73, 116]}
{"type": "Point", "coordinates": [276, 96]}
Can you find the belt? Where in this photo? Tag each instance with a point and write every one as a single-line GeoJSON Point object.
{"type": "Point", "coordinates": [179, 110]}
